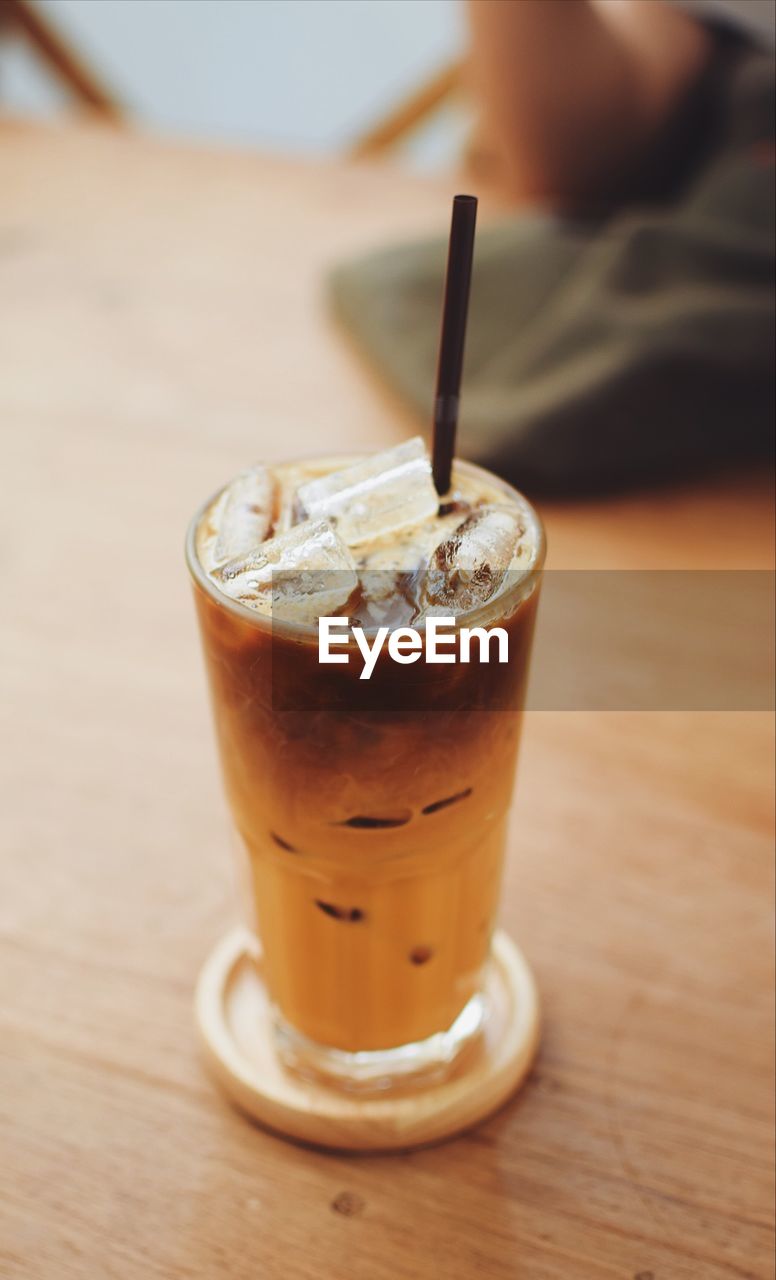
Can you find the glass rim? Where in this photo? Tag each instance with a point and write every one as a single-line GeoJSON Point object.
{"type": "Point", "coordinates": [497, 606]}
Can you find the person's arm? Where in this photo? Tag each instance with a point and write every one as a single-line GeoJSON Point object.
{"type": "Point", "coordinates": [572, 90]}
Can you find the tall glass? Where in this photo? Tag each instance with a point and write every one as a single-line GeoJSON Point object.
{"type": "Point", "coordinates": [372, 816]}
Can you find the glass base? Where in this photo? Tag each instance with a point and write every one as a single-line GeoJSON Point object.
{"type": "Point", "coordinates": [375, 1071]}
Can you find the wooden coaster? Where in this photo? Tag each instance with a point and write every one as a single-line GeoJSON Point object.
{"type": "Point", "coordinates": [235, 1023]}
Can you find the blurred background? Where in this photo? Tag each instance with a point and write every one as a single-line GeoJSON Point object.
{"type": "Point", "coordinates": [245, 71]}
{"type": "Point", "coordinates": [639, 131]}
{"type": "Point", "coordinates": [302, 76]}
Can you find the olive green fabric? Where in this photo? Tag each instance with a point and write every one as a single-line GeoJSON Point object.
{"type": "Point", "coordinates": [603, 353]}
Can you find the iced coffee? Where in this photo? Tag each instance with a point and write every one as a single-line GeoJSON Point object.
{"type": "Point", "coordinates": [370, 813]}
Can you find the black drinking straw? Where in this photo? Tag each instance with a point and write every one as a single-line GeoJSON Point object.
{"type": "Point", "coordinates": [451, 340]}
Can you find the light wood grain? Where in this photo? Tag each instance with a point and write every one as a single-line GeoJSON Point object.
{"type": "Point", "coordinates": [162, 324]}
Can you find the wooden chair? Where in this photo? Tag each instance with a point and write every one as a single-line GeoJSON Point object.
{"type": "Point", "coordinates": [20, 17]}
{"type": "Point", "coordinates": [476, 163]}
{"type": "Point", "coordinates": [409, 114]}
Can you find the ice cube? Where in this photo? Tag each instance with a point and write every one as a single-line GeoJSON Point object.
{"type": "Point", "coordinates": [300, 575]}
{"type": "Point", "coordinates": [245, 518]}
{"type": "Point", "coordinates": [470, 565]}
{"type": "Point", "coordinates": [378, 496]}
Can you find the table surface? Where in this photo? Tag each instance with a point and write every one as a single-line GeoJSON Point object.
{"type": "Point", "coordinates": [161, 325]}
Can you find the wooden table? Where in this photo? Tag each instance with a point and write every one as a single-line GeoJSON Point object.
{"type": "Point", "coordinates": [161, 325]}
